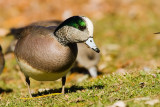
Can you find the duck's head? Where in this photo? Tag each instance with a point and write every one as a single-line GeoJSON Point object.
{"type": "Point", "coordinates": [76, 29]}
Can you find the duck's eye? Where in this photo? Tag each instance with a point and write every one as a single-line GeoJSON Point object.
{"type": "Point", "coordinates": [82, 28]}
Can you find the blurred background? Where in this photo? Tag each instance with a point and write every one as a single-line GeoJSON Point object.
{"type": "Point", "coordinates": [123, 30]}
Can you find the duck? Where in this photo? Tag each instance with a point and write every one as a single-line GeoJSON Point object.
{"type": "Point", "coordinates": [85, 58]}
{"type": "Point", "coordinates": [48, 53]}
{"type": "Point", "coordinates": [2, 61]}
{"type": "Point", "coordinates": [88, 59]}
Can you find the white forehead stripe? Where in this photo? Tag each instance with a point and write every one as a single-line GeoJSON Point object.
{"type": "Point", "coordinates": [89, 25]}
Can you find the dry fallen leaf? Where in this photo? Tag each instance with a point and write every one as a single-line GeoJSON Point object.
{"type": "Point", "coordinates": [3, 32]}
{"type": "Point", "coordinates": [118, 104]}
{"type": "Point", "coordinates": [121, 71]}
{"type": "Point", "coordinates": [152, 102]}
{"type": "Point", "coordinates": [142, 98]}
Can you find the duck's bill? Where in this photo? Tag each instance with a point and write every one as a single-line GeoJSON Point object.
{"type": "Point", "coordinates": [92, 45]}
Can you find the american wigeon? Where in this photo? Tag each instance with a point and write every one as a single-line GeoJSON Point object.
{"type": "Point", "coordinates": [86, 57]}
{"type": "Point", "coordinates": [2, 61]}
{"type": "Point", "coordinates": [48, 53]}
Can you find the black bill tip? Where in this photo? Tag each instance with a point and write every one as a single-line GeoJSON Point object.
{"type": "Point", "coordinates": [96, 49]}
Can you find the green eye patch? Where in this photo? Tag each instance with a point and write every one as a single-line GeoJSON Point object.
{"type": "Point", "coordinates": [75, 21]}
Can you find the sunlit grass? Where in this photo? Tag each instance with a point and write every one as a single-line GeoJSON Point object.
{"type": "Point", "coordinates": [104, 90]}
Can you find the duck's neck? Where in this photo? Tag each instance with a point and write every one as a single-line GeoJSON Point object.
{"type": "Point", "coordinates": [67, 35]}
{"type": "Point", "coordinates": [61, 37]}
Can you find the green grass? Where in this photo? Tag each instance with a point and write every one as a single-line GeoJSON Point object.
{"type": "Point", "coordinates": [102, 91]}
